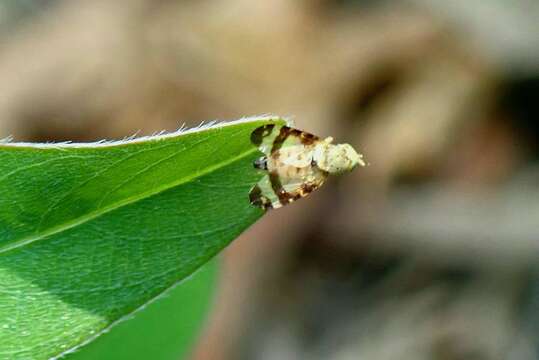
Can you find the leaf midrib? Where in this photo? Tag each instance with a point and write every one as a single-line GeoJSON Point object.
{"type": "Point", "coordinates": [127, 201]}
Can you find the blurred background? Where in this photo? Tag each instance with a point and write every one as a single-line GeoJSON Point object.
{"type": "Point", "coordinates": [430, 252]}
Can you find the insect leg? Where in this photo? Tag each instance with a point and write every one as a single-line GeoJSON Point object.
{"type": "Point", "coordinates": [261, 163]}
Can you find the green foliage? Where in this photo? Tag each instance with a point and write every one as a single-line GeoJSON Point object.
{"type": "Point", "coordinates": [89, 234]}
{"type": "Point", "coordinates": [165, 330]}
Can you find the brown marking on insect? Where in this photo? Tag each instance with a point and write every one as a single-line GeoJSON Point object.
{"type": "Point", "coordinates": [255, 196]}
{"type": "Point", "coordinates": [284, 197]}
{"type": "Point", "coordinates": [257, 199]}
{"type": "Point", "coordinates": [280, 139]}
{"type": "Point", "coordinates": [307, 138]}
{"type": "Point", "coordinates": [307, 189]}
{"type": "Point", "coordinates": [258, 135]}
{"type": "Point", "coordinates": [304, 137]}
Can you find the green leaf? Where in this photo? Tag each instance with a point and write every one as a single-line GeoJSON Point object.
{"type": "Point", "coordinates": [91, 233]}
{"type": "Point", "coordinates": [165, 330]}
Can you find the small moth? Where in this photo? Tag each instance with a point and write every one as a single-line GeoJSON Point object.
{"type": "Point", "coordinates": [297, 163]}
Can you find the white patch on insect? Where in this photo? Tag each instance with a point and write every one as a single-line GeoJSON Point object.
{"type": "Point", "coordinates": [336, 159]}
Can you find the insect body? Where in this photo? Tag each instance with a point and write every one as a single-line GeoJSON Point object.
{"type": "Point", "coordinates": [297, 164]}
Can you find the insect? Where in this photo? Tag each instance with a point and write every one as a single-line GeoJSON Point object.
{"type": "Point", "coordinates": [297, 163]}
